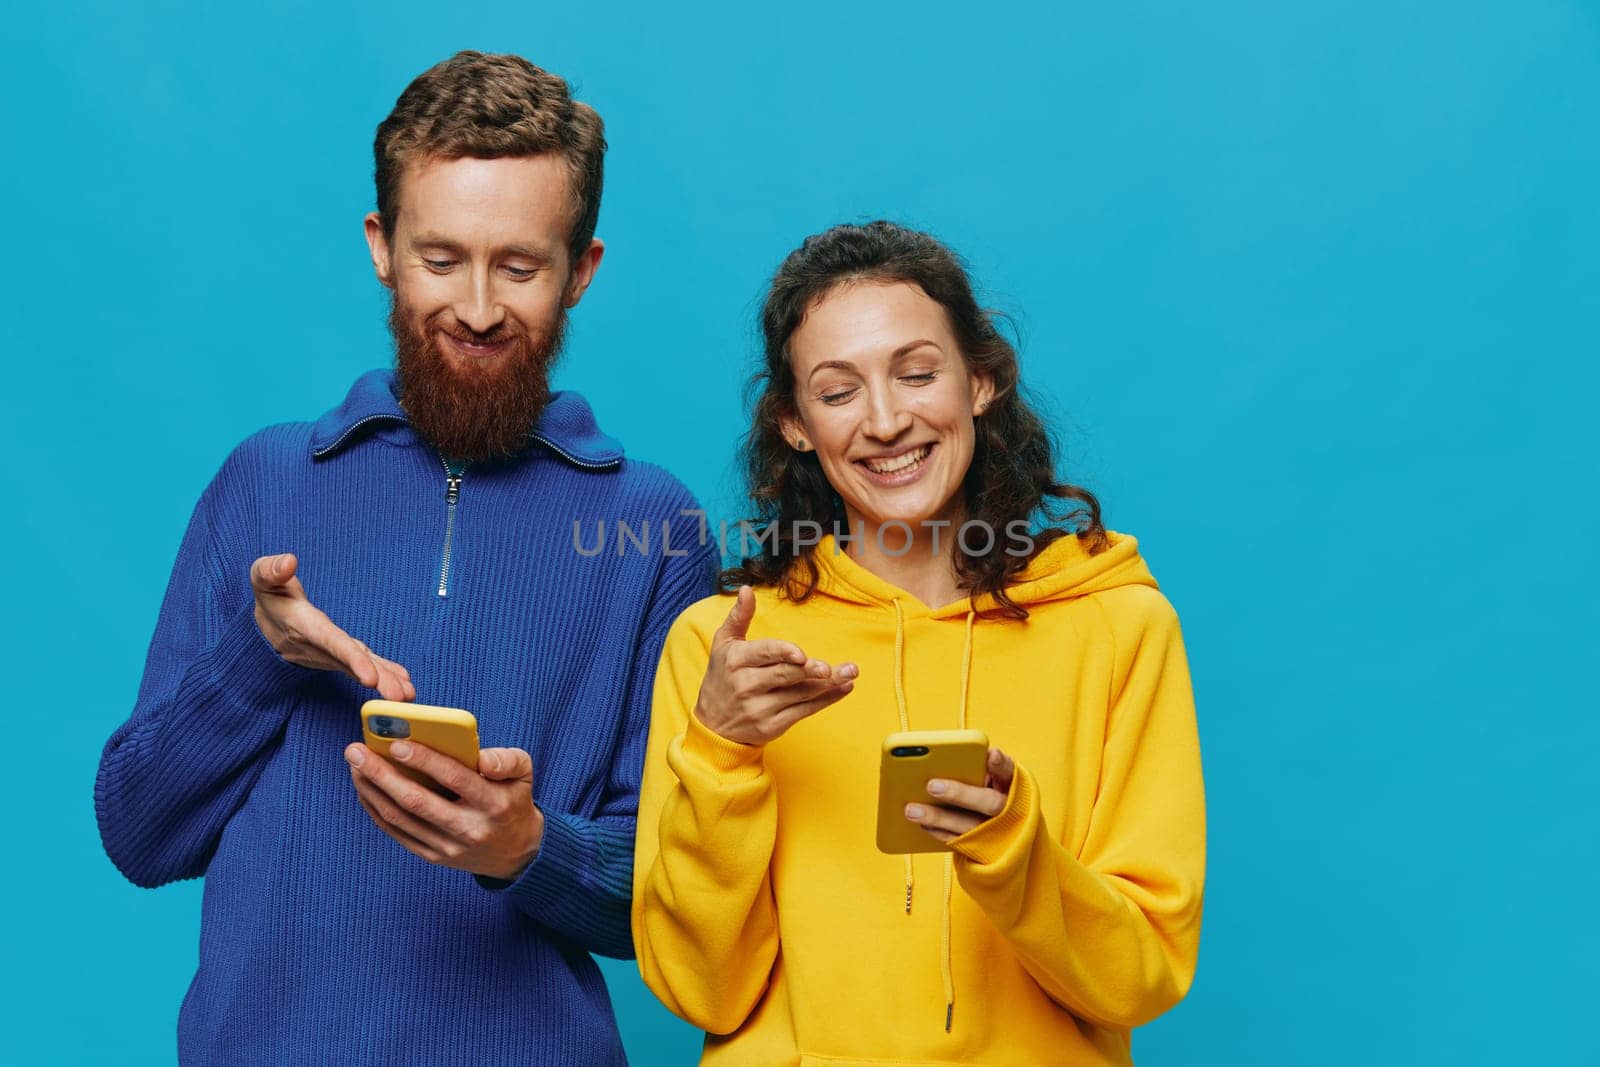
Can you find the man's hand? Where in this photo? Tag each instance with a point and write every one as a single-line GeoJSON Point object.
{"type": "Point", "coordinates": [492, 828]}
{"type": "Point", "coordinates": [304, 635]}
{"type": "Point", "coordinates": [753, 691]}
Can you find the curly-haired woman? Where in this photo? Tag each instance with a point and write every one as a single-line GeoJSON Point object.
{"type": "Point", "coordinates": [962, 584]}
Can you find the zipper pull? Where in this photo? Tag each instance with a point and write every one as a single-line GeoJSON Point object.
{"type": "Point", "coordinates": [452, 493]}
{"type": "Point", "coordinates": [453, 474]}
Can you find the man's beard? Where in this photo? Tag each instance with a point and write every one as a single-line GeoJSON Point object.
{"type": "Point", "coordinates": [473, 413]}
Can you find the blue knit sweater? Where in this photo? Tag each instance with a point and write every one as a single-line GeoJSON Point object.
{"type": "Point", "coordinates": [322, 940]}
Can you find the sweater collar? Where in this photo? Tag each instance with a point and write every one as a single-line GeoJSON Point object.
{"type": "Point", "coordinates": [566, 426]}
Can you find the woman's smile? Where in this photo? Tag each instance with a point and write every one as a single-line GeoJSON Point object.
{"type": "Point", "coordinates": [899, 468]}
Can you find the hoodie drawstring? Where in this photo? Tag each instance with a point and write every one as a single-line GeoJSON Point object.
{"type": "Point", "coordinates": [966, 669]}
{"type": "Point", "coordinates": [900, 706]}
{"type": "Point", "coordinates": [945, 965]}
{"type": "Point", "coordinates": [949, 859]}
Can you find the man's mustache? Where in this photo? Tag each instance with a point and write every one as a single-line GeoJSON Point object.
{"type": "Point", "coordinates": [503, 332]}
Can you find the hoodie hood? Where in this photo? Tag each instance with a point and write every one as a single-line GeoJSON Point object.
{"type": "Point", "coordinates": [1064, 570]}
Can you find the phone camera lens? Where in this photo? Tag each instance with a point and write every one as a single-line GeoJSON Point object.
{"type": "Point", "coordinates": [389, 726]}
{"type": "Point", "coordinates": [909, 750]}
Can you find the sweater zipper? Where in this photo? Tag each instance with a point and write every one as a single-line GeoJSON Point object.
{"type": "Point", "coordinates": [352, 428]}
{"type": "Point", "coordinates": [452, 495]}
{"type": "Point", "coordinates": [584, 464]}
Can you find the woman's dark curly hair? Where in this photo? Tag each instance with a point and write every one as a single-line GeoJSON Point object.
{"type": "Point", "coordinates": [1012, 475]}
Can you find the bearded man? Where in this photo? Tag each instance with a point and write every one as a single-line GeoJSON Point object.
{"type": "Point", "coordinates": [418, 541]}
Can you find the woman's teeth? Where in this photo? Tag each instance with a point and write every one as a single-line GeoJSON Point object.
{"type": "Point", "coordinates": [898, 463]}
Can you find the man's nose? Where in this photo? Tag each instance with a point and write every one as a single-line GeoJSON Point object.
{"type": "Point", "coordinates": [476, 307]}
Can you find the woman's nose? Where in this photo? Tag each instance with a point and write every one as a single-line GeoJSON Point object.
{"type": "Point", "coordinates": [885, 420]}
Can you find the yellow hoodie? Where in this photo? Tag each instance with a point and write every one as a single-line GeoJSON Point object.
{"type": "Point", "coordinates": [764, 914]}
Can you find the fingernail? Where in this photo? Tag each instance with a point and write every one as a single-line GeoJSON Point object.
{"type": "Point", "coordinates": [400, 750]}
{"type": "Point", "coordinates": [936, 787]}
{"type": "Point", "coordinates": [354, 756]}
{"type": "Point", "coordinates": [849, 670]}
{"type": "Point", "coordinates": [913, 811]}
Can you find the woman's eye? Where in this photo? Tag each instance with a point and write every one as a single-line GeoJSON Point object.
{"type": "Point", "coordinates": [920, 379]}
{"type": "Point", "coordinates": [836, 398]}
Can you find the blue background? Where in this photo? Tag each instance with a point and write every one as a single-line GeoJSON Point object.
{"type": "Point", "coordinates": [1310, 288]}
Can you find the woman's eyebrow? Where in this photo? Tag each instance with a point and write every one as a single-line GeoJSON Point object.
{"type": "Point", "coordinates": [832, 364]}
{"type": "Point", "coordinates": [912, 346]}
{"type": "Point", "coordinates": [846, 365]}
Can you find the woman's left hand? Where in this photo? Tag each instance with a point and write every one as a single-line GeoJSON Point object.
{"type": "Point", "coordinates": [958, 807]}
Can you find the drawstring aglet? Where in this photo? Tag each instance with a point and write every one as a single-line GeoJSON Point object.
{"type": "Point", "coordinates": [949, 1013]}
{"type": "Point", "coordinates": [908, 900]}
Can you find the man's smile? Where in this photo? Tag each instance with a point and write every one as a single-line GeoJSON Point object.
{"type": "Point", "coordinates": [477, 349]}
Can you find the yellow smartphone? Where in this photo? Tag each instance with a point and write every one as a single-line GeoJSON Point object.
{"type": "Point", "coordinates": [909, 760]}
{"type": "Point", "coordinates": [448, 730]}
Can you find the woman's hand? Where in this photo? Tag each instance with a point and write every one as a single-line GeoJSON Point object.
{"type": "Point", "coordinates": [755, 690]}
{"type": "Point", "coordinates": [957, 807]}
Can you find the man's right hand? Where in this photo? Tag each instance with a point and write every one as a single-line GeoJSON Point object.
{"type": "Point", "coordinates": [755, 690]}
{"type": "Point", "coordinates": [303, 635]}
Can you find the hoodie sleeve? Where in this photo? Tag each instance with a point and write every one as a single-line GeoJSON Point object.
{"type": "Point", "coordinates": [704, 919]}
{"type": "Point", "coordinates": [1111, 933]}
{"type": "Point", "coordinates": [212, 705]}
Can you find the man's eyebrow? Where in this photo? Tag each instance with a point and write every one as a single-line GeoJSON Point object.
{"type": "Point", "coordinates": [538, 255]}
{"type": "Point", "coordinates": [445, 244]}
{"type": "Point", "coordinates": [433, 240]}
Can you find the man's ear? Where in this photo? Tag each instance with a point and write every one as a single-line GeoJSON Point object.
{"type": "Point", "coordinates": [583, 272]}
{"type": "Point", "coordinates": [379, 246]}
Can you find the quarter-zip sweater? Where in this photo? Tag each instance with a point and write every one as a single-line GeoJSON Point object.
{"type": "Point", "coordinates": [322, 940]}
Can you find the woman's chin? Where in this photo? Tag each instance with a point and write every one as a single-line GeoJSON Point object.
{"type": "Point", "coordinates": [926, 518]}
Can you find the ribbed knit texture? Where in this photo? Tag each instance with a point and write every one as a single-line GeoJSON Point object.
{"type": "Point", "coordinates": [323, 941]}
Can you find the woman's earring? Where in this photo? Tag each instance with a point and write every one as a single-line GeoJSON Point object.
{"type": "Point", "coordinates": [800, 443]}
